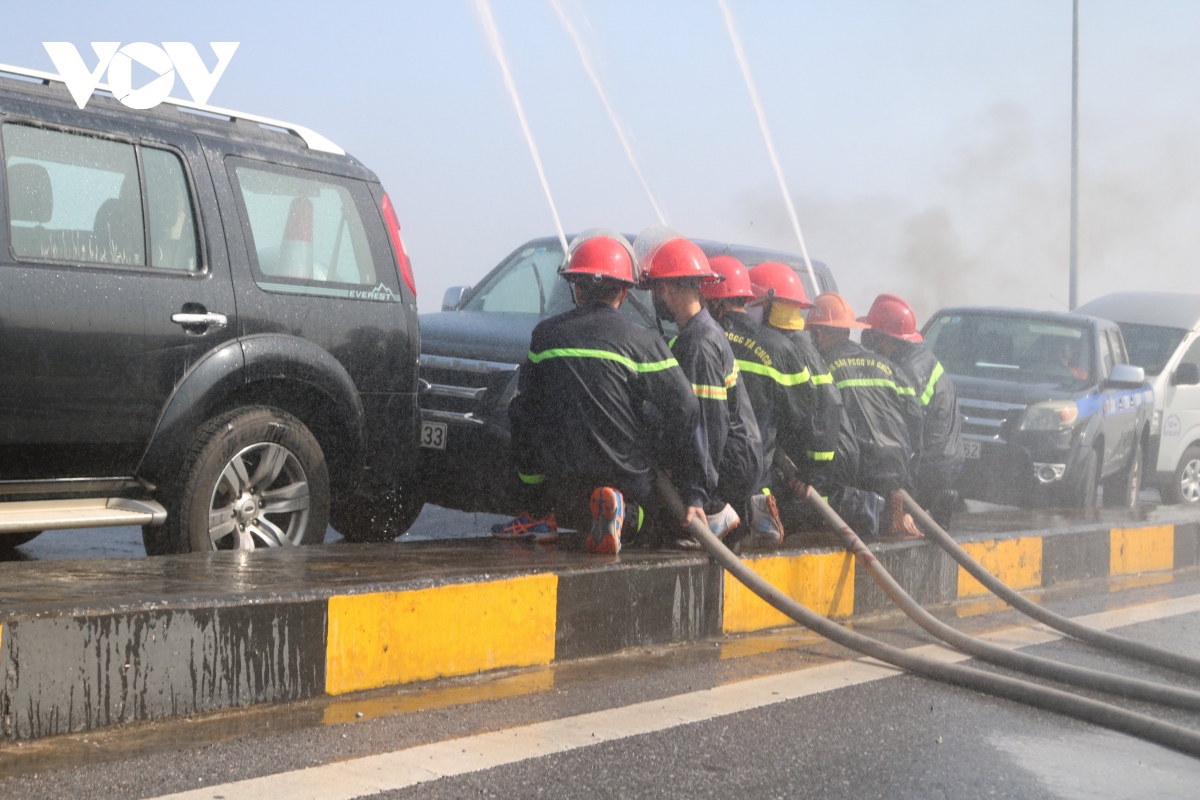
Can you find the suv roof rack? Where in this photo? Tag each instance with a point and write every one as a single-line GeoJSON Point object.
{"type": "Point", "coordinates": [314, 140]}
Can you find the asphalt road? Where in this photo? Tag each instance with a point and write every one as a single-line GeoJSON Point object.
{"type": "Point", "coordinates": [893, 736]}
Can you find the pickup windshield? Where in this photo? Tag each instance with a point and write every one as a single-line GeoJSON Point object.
{"type": "Point", "coordinates": [1150, 345]}
{"type": "Point", "coordinates": [1008, 348]}
{"type": "Point", "coordinates": [528, 283]}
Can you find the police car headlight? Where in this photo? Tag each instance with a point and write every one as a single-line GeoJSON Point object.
{"type": "Point", "coordinates": [1053, 415]}
{"type": "Point", "coordinates": [1156, 423]}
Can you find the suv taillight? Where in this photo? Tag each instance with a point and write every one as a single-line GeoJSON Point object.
{"type": "Point", "coordinates": [393, 226]}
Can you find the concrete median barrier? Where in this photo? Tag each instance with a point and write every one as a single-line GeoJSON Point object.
{"type": "Point", "coordinates": [88, 644]}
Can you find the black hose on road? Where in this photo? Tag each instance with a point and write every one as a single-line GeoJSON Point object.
{"type": "Point", "coordinates": [1134, 688]}
{"type": "Point", "coordinates": [1133, 723]}
{"type": "Point", "coordinates": [1109, 641]}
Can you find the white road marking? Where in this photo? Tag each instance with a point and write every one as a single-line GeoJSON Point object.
{"type": "Point", "coordinates": [369, 775]}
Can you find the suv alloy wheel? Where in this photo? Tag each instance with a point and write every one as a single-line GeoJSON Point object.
{"type": "Point", "coordinates": [255, 477]}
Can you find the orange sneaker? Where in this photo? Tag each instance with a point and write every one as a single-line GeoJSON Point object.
{"type": "Point", "coordinates": [608, 515]}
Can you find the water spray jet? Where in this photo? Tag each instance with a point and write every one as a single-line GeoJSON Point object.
{"type": "Point", "coordinates": [766, 132]}
{"type": "Point", "coordinates": [590, 69]}
{"type": "Point", "coordinates": [484, 9]}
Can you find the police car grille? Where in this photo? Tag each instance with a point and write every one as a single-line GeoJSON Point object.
{"type": "Point", "coordinates": [987, 419]}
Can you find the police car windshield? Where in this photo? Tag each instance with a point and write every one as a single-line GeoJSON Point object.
{"type": "Point", "coordinates": [1012, 349]}
{"type": "Point", "coordinates": [1150, 345]}
{"type": "Point", "coordinates": [528, 283]}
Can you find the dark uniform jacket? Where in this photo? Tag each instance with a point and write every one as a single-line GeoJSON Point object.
{"type": "Point", "coordinates": [941, 437]}
{"type": "Point", "coordinates": [791, 410]}
{"type": "Point", "coordinates": [826, 447]}
{"type": "Point", "coordinates": [579, 411]}
{"type": "Point", "coordinates": [726, 416]}
{"type": "Point", "coordinates": [883, 413]}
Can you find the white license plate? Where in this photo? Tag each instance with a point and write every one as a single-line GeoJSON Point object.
{"type": "Point", "coordinates": [433, 434]}
{"type": "Point", "coordinates": [972, 449]}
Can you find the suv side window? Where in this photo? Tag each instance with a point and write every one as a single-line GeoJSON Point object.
{"type": "Point", "coordinates": [306, 235]}
{"type": "Point", "coordinates": [73, 197]}
{"type": "Point", "coordinates": [1106, 354]}
{"type": "Point", "coordinates": [1118, 346]}
{"type": "Point", "coordinates": [78, 198]}
{"type": "Point", "coordinates": [172, 226]}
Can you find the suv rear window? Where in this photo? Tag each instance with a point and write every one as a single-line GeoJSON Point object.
{"type": "Point", "coordinates": [307, 236]}
{"type": "Point", "coordinates": [78, 198]}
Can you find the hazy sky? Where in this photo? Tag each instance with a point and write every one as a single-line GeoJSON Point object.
{"type": "Point", "coordinates": [926, 143]}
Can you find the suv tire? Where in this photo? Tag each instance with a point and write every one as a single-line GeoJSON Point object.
{"type": "Point", "coordinates": [1184, 485]}
{"type": "Point", "coordinates": [259, 473]}
{"type": "Point", "coordinates": [379, 519]}
{"type": "Point", "coordinates": [1121, 490]}
{"type": "Point", "coordinates": [1081, 492]}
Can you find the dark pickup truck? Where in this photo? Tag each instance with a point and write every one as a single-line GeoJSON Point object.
{"type": "Point", "coordinates": [1053, 409]}
{"type": "Point", "coordinates": [472, 350]}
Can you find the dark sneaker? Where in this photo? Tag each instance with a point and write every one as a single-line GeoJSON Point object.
{"type": "Point", "coordinates": [526, 526]}
{"type": "Point", "coordinates": [608, 515]}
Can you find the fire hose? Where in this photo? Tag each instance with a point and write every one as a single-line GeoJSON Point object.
{"type": "Point", "coordinates": [1133, 688]}
{"type": "Point", "coordinates": [1097, 712]}
{"type": "Point", "coordinates": [1109, 641]}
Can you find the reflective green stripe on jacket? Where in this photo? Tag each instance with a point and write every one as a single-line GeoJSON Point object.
{"type": "Point", "coordinates": [782, 378]}
{"type": "Point", "coordinates": [581, 352]}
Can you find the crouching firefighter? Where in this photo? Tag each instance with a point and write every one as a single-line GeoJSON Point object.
{"type": "Point", "coordinates": [579, 434]}
{"type": "Point", "coordinates": [893, 334]}
{"type": "Point", "coordinates": [884, 415]}
{"type": "Point", "coordinates": [818, 439]}
{"type": "Point", "coordinates": [676, 269]}
{"type": "Point", "coordinates": [777, 381]}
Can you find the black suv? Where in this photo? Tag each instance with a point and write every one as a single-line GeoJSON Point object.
{"type": "Point", "coordinates": [471, 351]}
{"type": "Point", "coordinates": [1052, 408]}
{"type": "Point", "coordinates": [207, 327]}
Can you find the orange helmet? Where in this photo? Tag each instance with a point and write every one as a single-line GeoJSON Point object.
{"type": "Point", "coordinates": [832, 311]}
{"type": "Point", "coordinates": [891, 315]}
{"type": "Point", "coordinates": [771, 279]}
{"type": "Point", "coordinates": [678, 258]}
{"type": "Point", "coordinates": [736, 283]}
{"type": "Point", "coordinates": [600, 255]}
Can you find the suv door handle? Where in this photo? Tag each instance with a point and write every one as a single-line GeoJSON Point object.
{"type": "Point", "coordinates": [210, 319]}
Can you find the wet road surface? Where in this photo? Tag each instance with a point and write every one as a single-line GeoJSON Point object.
{"type": "Point", "coordinates": [896, 736]}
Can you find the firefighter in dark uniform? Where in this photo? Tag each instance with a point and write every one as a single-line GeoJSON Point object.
{"type": "Point", "coordinates": [776, 380]}
{"type": "Point", "coordinates": [882, 409]}
{"type": "Point", "coordinates": [893, 334]}
{"type": "Point", "coordinates": [814, 443]}
{"type": "Point", "coordinates": [579, 428]}
{"type": "Point", "coordinates": [675, 269]}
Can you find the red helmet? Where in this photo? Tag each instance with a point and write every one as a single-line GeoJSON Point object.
{"type": "Point", "coordinates": [832, 311]}
{"type": "Point", "coordinates": [678, 258]}
{"type": "Point", "coordinates": [736, 283]}
{"type": "Point", "coordinates": [600, 255]}
{"type": "Point", "coordinates": [891, 315]}
{"type": "Point", "coordinates": [771, 279]}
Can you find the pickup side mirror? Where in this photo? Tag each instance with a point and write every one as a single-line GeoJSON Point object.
{"type": "Point", "coordinates": [1127, 376]}
{"type": "Point", "coordinates": [453, 297]}
{"type": "Point", "coordinates": [1186, 375]}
